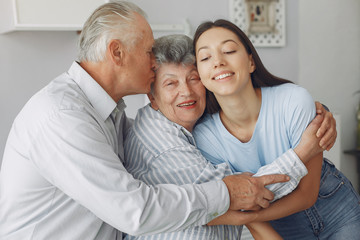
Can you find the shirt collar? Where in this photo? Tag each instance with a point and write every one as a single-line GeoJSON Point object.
{"type": "Point", "coordinates": [98, 97]}
{"type": "Point", "coordinates": [180, 128]}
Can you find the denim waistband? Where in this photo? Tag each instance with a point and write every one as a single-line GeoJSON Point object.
{"type": "Point", "coordinates": [327, 167]}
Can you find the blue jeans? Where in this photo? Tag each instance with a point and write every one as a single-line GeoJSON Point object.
{"type": "Point", "coordinates": [334, 216]}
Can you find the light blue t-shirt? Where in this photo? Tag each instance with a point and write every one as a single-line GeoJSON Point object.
{"type": "Point", "coordinates": [285, 112]}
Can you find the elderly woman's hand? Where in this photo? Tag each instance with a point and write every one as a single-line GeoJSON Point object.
{"type": "Point", "coordinates": [327, 131]}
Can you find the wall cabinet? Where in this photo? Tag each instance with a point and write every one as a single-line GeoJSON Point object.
{"type": "Point", "coordinates": [58, 15]}
{"type": "Point", "coordinates": [30, 15]}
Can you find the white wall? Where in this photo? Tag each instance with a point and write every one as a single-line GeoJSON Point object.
{"type": "Point", "coordinates": [29, 60]}
{"type": "Point", "coordinates": [329, 64]}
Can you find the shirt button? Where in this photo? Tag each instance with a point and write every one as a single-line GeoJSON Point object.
{"type": "Point", "coordinates": [215, 214]}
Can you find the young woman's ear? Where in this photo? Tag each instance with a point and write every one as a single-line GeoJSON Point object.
{"type": "Point", "coordinates": [116, 52]}
{"type": "Point", "coordinates": [152, 101]}
{"type": "Point", "coordinates": [252, 66]}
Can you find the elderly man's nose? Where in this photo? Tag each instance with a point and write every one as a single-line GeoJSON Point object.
{"type": "Point", "coordinates": [154, 64]}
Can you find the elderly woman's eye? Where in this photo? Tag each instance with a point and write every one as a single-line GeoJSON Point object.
{"type": "Point", "coordinates": [169, 83]}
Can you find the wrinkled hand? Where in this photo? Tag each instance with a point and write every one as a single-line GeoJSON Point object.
{"type": "Point", "coordinates": [327, 131]}
{"type": "Point", "coordinates": [249, 193]}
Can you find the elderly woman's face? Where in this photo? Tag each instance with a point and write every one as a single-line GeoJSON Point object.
{"type": "Point", "coordinates": [179, 94]}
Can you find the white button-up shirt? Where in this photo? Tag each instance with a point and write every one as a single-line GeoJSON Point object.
{"type": "Point", "coordinates": [62, 175]}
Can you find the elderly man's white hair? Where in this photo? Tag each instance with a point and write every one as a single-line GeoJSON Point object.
{"type": "Point", "coordinates": [113, 20]}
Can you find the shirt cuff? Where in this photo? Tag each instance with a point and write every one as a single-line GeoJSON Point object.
{"type": "Point", "coordinates": [290, 164]}
{"type": "Point", "coordinates": [217, 196]}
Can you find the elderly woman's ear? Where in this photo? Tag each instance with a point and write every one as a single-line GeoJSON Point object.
{"type": "Point", "coordinates": [152, 101]}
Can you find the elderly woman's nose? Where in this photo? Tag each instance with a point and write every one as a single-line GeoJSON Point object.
{"type": "Point", "coordinates": [185, 89]}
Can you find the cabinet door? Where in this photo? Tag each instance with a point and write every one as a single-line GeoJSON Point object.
{"type": "Point", "coordinates": [46, 14]}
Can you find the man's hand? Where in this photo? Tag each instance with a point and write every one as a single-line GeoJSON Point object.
{"type": "Point", "coordinates": [249, 193]}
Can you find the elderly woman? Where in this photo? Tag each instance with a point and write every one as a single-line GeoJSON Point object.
{"type": "Point", "coordinates": [161, 149]}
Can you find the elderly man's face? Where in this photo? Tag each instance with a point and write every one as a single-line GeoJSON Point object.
{"type": "Point", "coordinates": [140, 61]}
{"type": "Point", "coordinates": [179, 94]}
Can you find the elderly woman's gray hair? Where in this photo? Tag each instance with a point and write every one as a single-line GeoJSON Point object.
{"type": "Point", "coordinates": [176, 48]}
{"type": "Point", "coordinates": [113, 20]}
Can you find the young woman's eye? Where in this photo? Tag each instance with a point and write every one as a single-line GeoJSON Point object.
{"type": "Point", "coordinates": [204, 57]}
{"type": "Point", "coordinates": [229, 52]}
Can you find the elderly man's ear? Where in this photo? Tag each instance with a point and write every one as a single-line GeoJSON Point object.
{"type": "Point", "coordinates": [152, 101]}
{"type": "Point", "coordinates": [116, 52]}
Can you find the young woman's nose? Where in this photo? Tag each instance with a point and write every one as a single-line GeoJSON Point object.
{"type": "Point", "coordinates": [218, 60]}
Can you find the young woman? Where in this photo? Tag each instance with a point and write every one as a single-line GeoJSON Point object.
{"type": "Point", "coordinates": [253, 117]}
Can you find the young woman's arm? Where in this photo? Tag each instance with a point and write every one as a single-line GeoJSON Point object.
{"type": "Point", "coordinates": [259, 230]}
{"type": "Point", "coordinates": [303, 197]}
{"type": "Point", "coordinates": [263, 231]}
{"type": "Point", "coordinates": [299, 109]}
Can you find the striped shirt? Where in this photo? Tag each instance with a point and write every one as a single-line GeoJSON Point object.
{"type": "Point", "coordinates": [160, 151]}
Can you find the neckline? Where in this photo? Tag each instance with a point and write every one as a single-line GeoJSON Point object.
{"type": "Point", "coordinates": [228, 135]}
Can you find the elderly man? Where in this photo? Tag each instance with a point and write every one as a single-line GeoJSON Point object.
{"type": "Point", "coordinates": [160, 147]}
{"type": "Point", "coordinates": [62, 175]}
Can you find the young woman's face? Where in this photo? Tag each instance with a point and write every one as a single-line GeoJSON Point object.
{"type": "Point", "coordinates": [224, 65]}
{"type": "Point", "coordinates": [179, 94]}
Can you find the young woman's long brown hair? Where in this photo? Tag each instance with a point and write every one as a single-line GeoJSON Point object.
{"type": "Point", "coordinates": [259, 78]}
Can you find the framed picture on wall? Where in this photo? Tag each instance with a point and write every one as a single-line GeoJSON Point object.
{"type": "Point", "coordinates": [263, 21]}
{"type": "Point", "coordinates": [262, 16]}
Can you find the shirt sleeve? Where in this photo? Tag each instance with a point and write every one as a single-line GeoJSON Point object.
{"type": "Point", "coordinates": [300, 111]}
{"type": "Point", "coordinates": [72, 152]}
{"type": "Point", "coordinates": [289, 164]}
